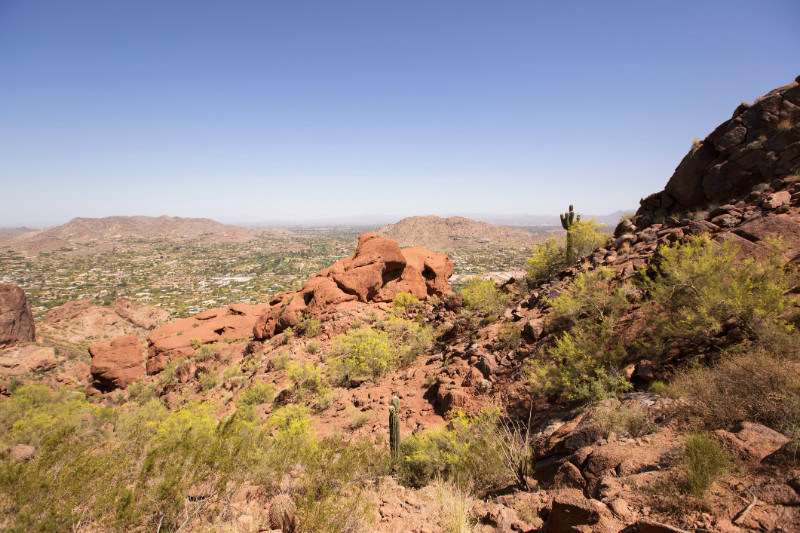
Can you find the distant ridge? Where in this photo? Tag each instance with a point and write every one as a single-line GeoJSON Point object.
{"type": "Point", "coordinates": [83, 230]}
{"type": "Point", "coordinates": [447, 234]}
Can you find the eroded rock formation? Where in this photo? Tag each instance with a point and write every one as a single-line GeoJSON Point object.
{"type": "Point", "coordinates": [377, 272]}
{"type": "Point", "coordinates": [16, 320]}
{"type": "Point", "coordinates": [116, 363]}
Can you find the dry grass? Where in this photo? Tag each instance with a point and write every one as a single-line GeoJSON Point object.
{"type": "Point", "coordinates": [456, 507]}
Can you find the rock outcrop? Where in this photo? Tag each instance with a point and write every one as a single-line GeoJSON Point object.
{"type": "Point", "coordinates": [760, 143]}
{"type": "Point", "coordinates": [19, 360]}
{"type": "Point", "coordinates": [182, 337]}
{"type": "Point", "coordinates": [117, 363]}
{"type": "Point", "coordinates": [377, 272]}
{"type": "Point", "coordinates": [16, 320]}
{"type": "Point", "coordinates": [140, 315]}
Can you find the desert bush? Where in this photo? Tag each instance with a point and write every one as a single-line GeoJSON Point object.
{"type": "Point", "coordinates": [362, 353]}
{"type": "Point", "coordinates": [206, 351]}
{"type": "Point", "coordinates": [467, 452]}
{"type": "Point", "coordinates": [209, 379]}
{"type": "Point", "coordinates": [582, 362]}
{"type": "Point", "coordinates": [705, 460]}
{"type": "Point", "coordinates": [312, 347]}
{"type": "Point", "coordinates": [550, 257]}
{"type": "Point", "coordinates": [754, 386]}
{"type": "Point", "coordinates": [256, 394]}
{"type": "Point", "coordinates": [700, 288]}
{"type": "Point", "coordinates": [409, 337]}
{"type": "Point", "coordinates": [510, 336]}
{"type": "Point", "coordinates": [483, 296]}
{"type": "Point", "coordinates": [309, 326]}
{"type": "Point", "coordinates": [406, 302]}
{"type": "Point", "coordinates": [455, 502]}
{"type": "Point", "coordinates": [630, 421]}
{"type": "Point", "coordinates": [281, 361]}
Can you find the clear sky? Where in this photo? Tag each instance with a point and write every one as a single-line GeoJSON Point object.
{"type": "Point", "coordinates": [296, 110]}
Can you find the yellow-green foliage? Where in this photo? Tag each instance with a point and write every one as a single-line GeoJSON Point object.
{"type": "Point", "coordinates": [206, 350]}
{"type": "Point", "coordinates": [310, 384]}
{"type": "Point", "coordinates": [468, 451]}
{"type": "Point", "coordinates": [209, 379]}
{"type": "Point", "coordinates": [374, 352]}
{"type": "Point", "coordinates": [256, 394]}
{"type": "Point", "coordinates": [406, 301]}
{"type": "Point", "coordinates": [481, 295]}
{"type": "Point", "coordinates": [139, 476]}
{"type": "Point", "coordinates": [410, 337]}
{"type": "Point", "coordinates": [701, 286]}
{"type": "Point", "coordinates": [309, 326]}
{"type": "Point", "coordinates": [510, 336]}
{"type": "Point", "coordinates": [631, 421]}
{"type": "Point", "coordinates": [363, 353]}
{"type": "Point", "coordinates": [582, 362]}
{"type": "Point", "coordinates": [550, 257]}
{"type": "Point", "coordinates": [704, 462]}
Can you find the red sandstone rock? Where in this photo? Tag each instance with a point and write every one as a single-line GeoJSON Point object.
{"type": "Point", "coordinates": [17, 360]}
{"type": "Point", "coordinates": [140, 315]}
{"type": "Point", "coordinates": [16, 320]}
{"type": "Point", "coordinates": [116, 363]}
{"type": "Point", "coordinates": [377, 272]}
{"type": "Point", "coordinates": [222, 324]}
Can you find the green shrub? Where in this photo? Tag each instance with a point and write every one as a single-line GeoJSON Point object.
{"type": "Point", "coordinates": [704, 462]}
{"type": "Point", "coordinates": [312, 347]}
{"type": "Point", "coordinates": [510, 336]}
{"type": "Point", "coordinates": [208, 380]}
{"type": "Point", "coordinates": [468, 452]}
{"type": "Point", "coordinates": [282, 361]}
{"type": "Point", "coordinates": [363, 353]}
{"type": "Point", "coordinates": [406, 302]}
{"type": "Point", "coordinates": [309, 326]}
{"type": "Point", "coordinates": [582, 362]}
{"type": "Point", "coordinates": [206, 351]}
{"type": "Point", "coordinates": [256, 394]}
{"type": "Point", "coordinates": [701, 287]}
{"type": "Point", "coordinates": [550, 257]}
{"type": "Point", "coordinates": [482, 295]}
{"type": "Point", "coordinates": [410, 338]}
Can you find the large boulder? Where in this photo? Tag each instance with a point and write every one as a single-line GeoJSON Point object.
{"type": "Point", "coordinates": [16, 320]}
{"type": "Point", "coordinates": [18, 360]}
{"type": "Point", "coordinates": [117, 363]}
{"type": "Point", "coordinates": [377, 272]}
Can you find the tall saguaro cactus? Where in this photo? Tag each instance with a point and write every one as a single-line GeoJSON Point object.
{"type": "Point", "coordinates": [568, 221]}
{"type": "Point", "coordinates": [394, 431]}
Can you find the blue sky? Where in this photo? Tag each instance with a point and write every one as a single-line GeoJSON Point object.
{"type": "Point", "coordinates": [262, 110]}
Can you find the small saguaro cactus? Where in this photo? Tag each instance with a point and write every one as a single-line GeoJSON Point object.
{"type": "Point", "coordinates": [394, 430]}
{"type": "Point", "coordinates": [568, 221]}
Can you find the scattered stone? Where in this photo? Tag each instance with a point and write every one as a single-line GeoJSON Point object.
{"type": "Point", "coordinates": [21, 453]}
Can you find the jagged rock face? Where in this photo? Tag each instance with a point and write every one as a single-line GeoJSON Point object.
{"type": "Point", "coordinates": [16, 320]}
{"type": "Point", "coordinates": [758, 144]}
{"type": "Point", "coordinates": [116, 363]}
{"type": "Point", "coordinates": [377, 272]}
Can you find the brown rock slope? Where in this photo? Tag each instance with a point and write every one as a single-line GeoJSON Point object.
{"type": "Point", "coordinates": [377, 272]}
{"type": "Point", "coordinates": [16, 320]}
{"type": "Point", "coordinates": [447, 234]}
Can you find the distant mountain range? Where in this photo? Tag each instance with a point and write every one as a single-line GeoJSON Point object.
{"type": "Point", "coordinates": [84, 230]}
{"type": "Point", "coordinates": [447, 234]}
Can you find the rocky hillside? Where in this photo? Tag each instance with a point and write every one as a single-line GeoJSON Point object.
{"type": "Point", "coordinates": [82, 230]}
{"type": "Point", "coordinates": [447, 234]}
{"type": "Point", "coordinates": [649, 387]}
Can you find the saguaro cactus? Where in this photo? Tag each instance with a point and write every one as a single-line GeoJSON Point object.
{"type": "Point", "coordinates": [568, 220]}
{"type": "Point", "coordinates": [394, 430]}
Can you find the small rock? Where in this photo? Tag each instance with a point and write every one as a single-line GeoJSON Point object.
{"type": "Point", "coordinates": [22, 452]}
{"type": "Point", "coordinates": [568, 512]}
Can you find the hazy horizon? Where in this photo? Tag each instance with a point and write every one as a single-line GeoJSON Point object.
{"type": "Point", "coordinates": [313, 111]}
